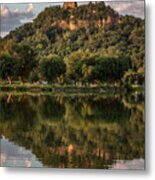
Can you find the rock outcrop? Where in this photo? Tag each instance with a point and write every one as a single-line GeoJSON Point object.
{"type": "Point", "coordinates": [71, 5]}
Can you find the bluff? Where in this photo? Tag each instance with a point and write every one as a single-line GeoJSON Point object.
{"type": "Point", "coordinates": [71, 5]}
{"type": "Point", "coordinates": [92, 27]}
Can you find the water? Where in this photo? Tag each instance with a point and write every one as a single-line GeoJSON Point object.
{"type": "Point", "coordinates": [72, 131]}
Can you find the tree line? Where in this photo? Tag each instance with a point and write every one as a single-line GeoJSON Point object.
{"type": "Point", "coordinates": [79, 66]}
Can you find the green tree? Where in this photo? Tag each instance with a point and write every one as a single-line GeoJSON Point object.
{"type": "Point", "coordinates": [26, 60]}
{"type": "Point", "coordinates": [138, 51]}
{"type": "Point", "coordinates": [111, 69]}
{"type": "Point", "coordinates": [52, 67]}
{"type": "Point", "coordinates": [8, 67]}
{"type": "Point", "coordinates": [74, 65]}
{"type": "Point", "coordinates": [88, 73]}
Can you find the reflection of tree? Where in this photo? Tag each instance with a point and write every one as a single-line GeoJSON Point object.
{"type": "Point", "coordinates": [76, 131]}
{"type": "Point", "coordinates": [9, 99]}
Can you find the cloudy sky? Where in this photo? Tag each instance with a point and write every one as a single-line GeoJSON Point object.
{"type": "Point", "coordinates": [14, 15]}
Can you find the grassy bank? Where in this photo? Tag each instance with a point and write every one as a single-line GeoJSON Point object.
{"type": "Point", "coordinates": [27, 87]}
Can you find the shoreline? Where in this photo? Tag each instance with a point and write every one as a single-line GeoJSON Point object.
{"type": "Point", "coordinates": [103, 89]}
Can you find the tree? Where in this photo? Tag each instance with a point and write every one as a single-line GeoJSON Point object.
{"type": "Point", "coordinates": [88, 68]}
{"type": "Point", "coordinates": [74, 65]}
{"type": "Point", "coordinates": [111, 69]}
{"type": "Point", "coordinates": [8, 67]}
{"type": "Point", "coordinates": [138, 51]}
{"type": "Point", "coordinates": [26, 60]}
{"type": "Point", "coordinates": [88, 73]}
{"type": "Point", "coordinates": [52, 67]}
{"type": "Point", "coordinates": [131, 77]}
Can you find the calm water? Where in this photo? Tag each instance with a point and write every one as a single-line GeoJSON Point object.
{"type": "Point", "coordinates": [74, 131]}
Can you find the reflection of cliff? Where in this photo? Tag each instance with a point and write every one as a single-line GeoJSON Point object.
{"type": "Point", "coordinates": [74, 131]}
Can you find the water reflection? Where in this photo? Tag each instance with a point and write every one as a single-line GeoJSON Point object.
{"type": "Point", "coordinates": [13, 155]}
{"type": "Point", "coordinates": [136, 164]}
{"type": "Point", "coordinates": [75, 131]}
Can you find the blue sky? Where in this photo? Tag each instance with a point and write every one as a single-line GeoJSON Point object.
{"type": "Point", "coordinates": [15, 14]}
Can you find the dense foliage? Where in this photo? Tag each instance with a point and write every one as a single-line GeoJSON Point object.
{"type": "Point", "coordinates": [52, 68]}
{"type": "Point", "coordinates": [95, 43]}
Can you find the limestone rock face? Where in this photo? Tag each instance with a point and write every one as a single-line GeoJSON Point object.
{"type": "Point", "coordinates": [71, 5]}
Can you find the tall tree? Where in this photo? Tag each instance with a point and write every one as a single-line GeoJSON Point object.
{"type": "Point", "coordinates": [8, 67]}
{"type": "Point", "coordinates": [26, 60]}
{"type": "Point", "coordinates": [52, 67]}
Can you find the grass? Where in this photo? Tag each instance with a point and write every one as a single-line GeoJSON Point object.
{"type": "Point", "coordinates": [56, 88]}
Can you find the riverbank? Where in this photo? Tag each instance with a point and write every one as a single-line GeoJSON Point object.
{"type": "Point", "coordinates": [27, 87]}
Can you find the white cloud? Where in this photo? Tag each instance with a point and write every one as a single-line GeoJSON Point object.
{"type": "Point", "coordinates": [4, 12]}
{"type": "Point", "coordinates": [3, 34]}
{"type": "Point", "coordinates": [16, 10]}
{"type": "Point", "coordinates": [15, 18]}
{"type": "Point", "coordinates": [29, 8]}
{"type": "Point", "coordinates": [135, 8]}
{"type": "Point", "coordinates": [122, 7]}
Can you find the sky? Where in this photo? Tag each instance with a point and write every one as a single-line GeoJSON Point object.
{"type": "Point", "coordinates": [16, 14]}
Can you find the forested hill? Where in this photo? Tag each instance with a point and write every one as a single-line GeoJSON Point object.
{"type": "Point", "coordinates": [90, 29]}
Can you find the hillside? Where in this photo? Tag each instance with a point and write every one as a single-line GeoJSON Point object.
{"type": "Point", "coordinates": [89, 31]}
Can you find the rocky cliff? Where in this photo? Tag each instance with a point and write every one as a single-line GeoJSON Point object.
{"type": "Point", "coordinates": [71, 5]}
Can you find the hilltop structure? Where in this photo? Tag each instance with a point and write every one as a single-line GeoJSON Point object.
{"type": "Point", "coordinates": [74, 23]}
{"type": "Point", "coordinates": [71, 5]}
